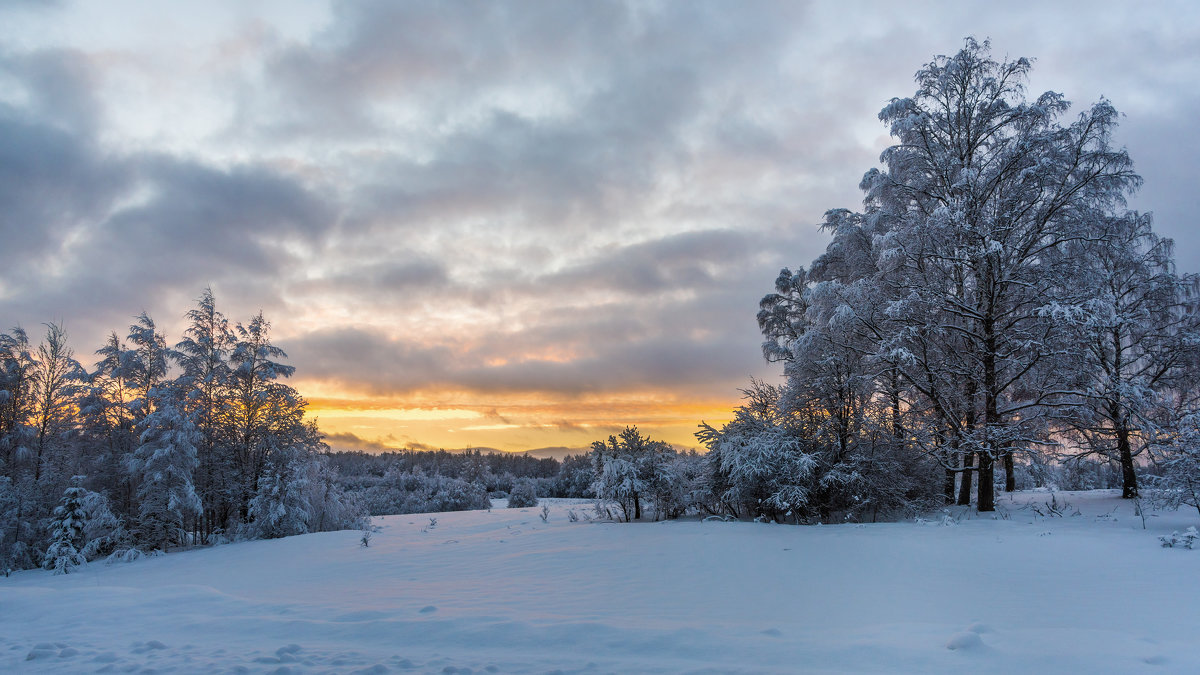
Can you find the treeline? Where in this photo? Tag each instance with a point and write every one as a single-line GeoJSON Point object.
{"type": "Point", "coordinates": [152, 446]}
{"type": "Point", "coordinates": [432, 481]}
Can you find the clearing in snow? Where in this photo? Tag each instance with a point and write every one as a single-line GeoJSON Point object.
{"type": "Point", "coordinates": [1069, 583]}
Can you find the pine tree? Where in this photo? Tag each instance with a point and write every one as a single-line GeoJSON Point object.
{"type": "Point", "coordinates": [264, 410]}
{"type": "Point", "coordinates": [203, 355]}
{"type": "Point", "coordinates": [166, 460]}
{"type": "Point", "coordinates": [66, 532]}
{"type": "Point", "coordinates": [280, 506]}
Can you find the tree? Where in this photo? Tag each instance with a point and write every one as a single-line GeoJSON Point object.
{"type": "Point", "coordinates": [261, 406]}
{"type": "Point", "coordinates": [968, 243]}
{"type": "Point", "coordinates": [146, 363]}
{"type": "Point", "coordinates": [203, 355]}
{"type": "Point", "coordinates": [1140, 336]}
{"type": "Point", "coordinates": [166, 460]}
{"type": "Point", "coordinates": [280, 506]}
{"type": "Point", "coordinates": [54, 385]}
{"type": "Point", "coordinates": [66, 532]}
{"type": "Point", "coordinates": [523, 495]}
{"type": "Point", "coordinates": [16, 391]}
{"type": "Point", "coordinates": [625, 470]}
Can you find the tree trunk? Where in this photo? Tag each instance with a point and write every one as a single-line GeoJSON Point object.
{"type": "Point", "coordinates": [1010, 479]}
{"type": "Point", "coordinates": [1129, 487]}
{"type": "Point", "coordinates": [948, 487]}
{"type": "Point", "coordinates": [964, 487]}
{"type": "Point", "coordinates": [987, 487]}
{"type": "Point", "coordinates": [991, 416]}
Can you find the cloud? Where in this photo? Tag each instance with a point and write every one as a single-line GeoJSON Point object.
{"type": "Point", "coordinates": [91, 231]}
{"type": "Point", "coordinates": [350, 442]}
{"type": "Point", "coordinates": [500, 198]}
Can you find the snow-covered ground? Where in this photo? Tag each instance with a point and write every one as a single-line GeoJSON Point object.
{"type": "Point", "coordinates": [501, 591]}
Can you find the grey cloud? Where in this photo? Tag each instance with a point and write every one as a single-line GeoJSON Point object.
{"type": "Point", "coordinates": [708, 344]}
{"type": "Point", "coordinates": [350, 442]}
{"type": "Point", "coordinates": [625, 86]}
{"type": "Point", "coordinates": [663, 160]}
{"type": "Point", "coordinates": [93, 236]}
{"type": "Point", "coordinates": [358, 355]}
{"type": "Point", "coordinates": [687, 261]}
{"type": "Point", "coordinates": [382, 283]}
{"type": "Point", "coordinates": [52, 176]}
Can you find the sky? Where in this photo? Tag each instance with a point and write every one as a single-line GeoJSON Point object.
{"type": "Point", "coordinates": [503, 224]}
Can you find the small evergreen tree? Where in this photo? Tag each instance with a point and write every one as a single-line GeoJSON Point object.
{"type": "Point", "coordinates": [280, 507]}
{"type": "Point", "coordinates": [66, 532]}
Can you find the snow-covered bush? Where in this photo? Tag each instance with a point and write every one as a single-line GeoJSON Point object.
{"type": "Point", "coordinates": [774, 461]}
{"type": "Point", "coordinates": [1178, 456]}
{"type": "Point", "coordinates": [760, 465]}
{"type": "Point", "coordinates": [1187, 540]}
{"type": "Point", "coordinates": [523, 495]}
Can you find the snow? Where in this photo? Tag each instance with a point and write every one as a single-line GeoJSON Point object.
{"type": "Point", "coordinates": [501, 591]}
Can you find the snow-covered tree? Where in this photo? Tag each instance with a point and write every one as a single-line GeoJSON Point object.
{"type": "Point", "coordinates": [761, 464]}
{"type": "Point", "coordinates": [56, 377]}
{"type": "Point", "coordinates": [280, 507]}
{"type": "Point", "coordinates": [17, 367]}
{"type": "Point", "coordinates": [1141, 332]}
{"type": "Point", "coordinates": [166, 460]}
{"type": "Point", "coordinates": [67, 526]}
{"type": "Point", "coordinates": [942, 297]}
{"type": "Point", "coordinates": [627, 471]}
{"type": "Point", "coordinates": [203, 356]}
{"type": "Point", "coordinates": [1178, 456]}
{"type": "Point", "coordinates": [146, 363]}
{"type": "Point", "coordinates": [263, 410]}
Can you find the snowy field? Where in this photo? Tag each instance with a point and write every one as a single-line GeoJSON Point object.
{"type": "Point", "coordinates": [501, 591]}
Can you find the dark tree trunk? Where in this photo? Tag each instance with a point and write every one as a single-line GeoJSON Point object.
{"type": "Point", "coordinates": [986, 500]}
{"type": "Point", "coordinates": [964, 487]}
{"type": "Point", "coordinates": [1010, 479]}
{"type": "Point", "coordinates": [987, 487]}
{"type": "Point", "coordinates": [948, 486]}
{"type": "Point", "coordinates": [1129, 487]}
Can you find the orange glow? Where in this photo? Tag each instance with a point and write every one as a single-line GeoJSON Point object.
{"type": "Point", "coordinates": [463, 419]}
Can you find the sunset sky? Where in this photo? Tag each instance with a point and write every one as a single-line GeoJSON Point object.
{"type": "Point", "coordinates": [513, 225]}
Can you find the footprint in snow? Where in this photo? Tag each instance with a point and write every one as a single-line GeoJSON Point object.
{"type": "Point", "coordinates": [41, 650]}
{"type": "Point", "coordinates": [428, 609]}
{"type": "Point", "coordinates": [773, 632]}
{"type": "Point", "coordinates": [965, 641]}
